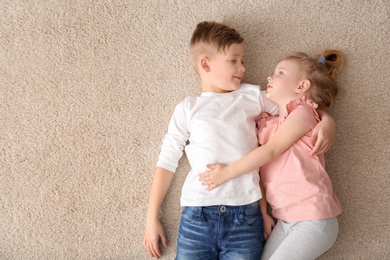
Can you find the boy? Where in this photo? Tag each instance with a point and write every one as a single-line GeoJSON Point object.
{"type": "Point", "coordinates": [219, 126]}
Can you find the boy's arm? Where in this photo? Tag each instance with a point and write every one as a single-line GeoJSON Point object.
{"type": "Point", "coordinates": [287, 134]}
{"type": "Point", "coordinates": [154, 230]}
{"type": "Point", "coordinates": [323, 134]}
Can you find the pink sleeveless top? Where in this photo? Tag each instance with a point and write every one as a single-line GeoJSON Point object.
{"type": "Point", "coordinates": [296, 183]}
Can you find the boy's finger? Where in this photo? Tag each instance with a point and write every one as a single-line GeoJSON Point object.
{"type": "Point", "coordinates": [164, 241]}
{"type": "Point", "coordinates": [320, 149]}
{"type": "Point", "coordinates": [150, 250]}
{"type": "Point", "coordinates": [315, 150]}
{"type": "Point", "coordinates": [318, 145]}
{"type": "Point", "coordinates": [156, 251]}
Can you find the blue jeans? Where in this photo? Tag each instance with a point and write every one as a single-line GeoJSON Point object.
{"type": "Point", "coordinates": [221, 232]}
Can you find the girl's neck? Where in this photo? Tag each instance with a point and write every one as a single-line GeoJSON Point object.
{"type": "Point", "coordinates": [282, 109]}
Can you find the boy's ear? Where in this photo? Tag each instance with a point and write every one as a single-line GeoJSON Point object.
{"type": "Point", "coordinates": [303, 86]}
{"type": "Point", "coordinates": [204, 63]}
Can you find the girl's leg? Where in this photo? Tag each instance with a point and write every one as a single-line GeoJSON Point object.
{"type": "Point", "coordinates": [307, 239]}
{"type": "Point", "coordinates": [277, 236]}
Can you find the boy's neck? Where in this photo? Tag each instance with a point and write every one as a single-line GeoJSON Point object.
{"type": "Point", "coordinates": [208, 88]}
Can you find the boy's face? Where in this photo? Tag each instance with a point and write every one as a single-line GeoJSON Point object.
{"type": "Point", "coordinates": [226, 70]}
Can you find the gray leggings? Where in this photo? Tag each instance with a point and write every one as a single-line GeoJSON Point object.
{"type": "Point", "coordinates": [301, 240]}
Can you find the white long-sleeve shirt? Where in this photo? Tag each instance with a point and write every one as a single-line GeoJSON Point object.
{"type": "Point", "coordinates": [216, 128]}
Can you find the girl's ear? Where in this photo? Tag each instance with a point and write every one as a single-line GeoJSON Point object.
{"type": "Point", "coordinates": [204, 63]}
{"type": "Point", "coordinates": [303, 86]}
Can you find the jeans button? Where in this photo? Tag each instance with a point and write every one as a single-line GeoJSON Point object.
{"type": "Point", "coordinates": [222, 208]}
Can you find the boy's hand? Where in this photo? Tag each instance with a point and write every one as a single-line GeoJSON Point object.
{"type": "Point", "coordinates": [215, 177]}
{"type": "Point", "coordinates": [323, 137]}
{"type": "Point", "coordinates": [153, 233]}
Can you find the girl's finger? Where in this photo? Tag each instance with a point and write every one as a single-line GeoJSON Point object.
{"type": "Point", "coordinates": [212, 166]}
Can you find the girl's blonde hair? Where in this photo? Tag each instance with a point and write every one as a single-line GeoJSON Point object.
{"type": "Point", "coordinates": [321, 72]}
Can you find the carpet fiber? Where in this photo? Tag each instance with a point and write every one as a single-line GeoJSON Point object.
{"type": "Point", "coordinates": [87, 89]}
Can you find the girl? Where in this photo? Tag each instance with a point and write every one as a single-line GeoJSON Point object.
{"type": "Point", "coordinates": [296, 184]}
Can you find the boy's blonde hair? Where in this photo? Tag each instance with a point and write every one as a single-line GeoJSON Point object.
{"type": "Point", "coordinates": [210, 38]}
{"type": "Point", "coordinates": [321, 72]}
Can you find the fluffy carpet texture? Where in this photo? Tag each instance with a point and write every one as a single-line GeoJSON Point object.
{"type": "Point", "coordinates": [87, 89]}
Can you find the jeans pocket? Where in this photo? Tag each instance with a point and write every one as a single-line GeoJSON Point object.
{"type": "Point", "coordinates": [251, 218]}
{"type": "Point", "coordinates": [190, 214]}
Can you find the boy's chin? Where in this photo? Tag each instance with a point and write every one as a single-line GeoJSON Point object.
{"type": "Point", "coordinates": [226, 90]}
{"type": "Point", "coordinates": [236, 86]}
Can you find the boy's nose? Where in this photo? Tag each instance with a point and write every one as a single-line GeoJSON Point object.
{"type": "Point", "coordinates": [269, 78]}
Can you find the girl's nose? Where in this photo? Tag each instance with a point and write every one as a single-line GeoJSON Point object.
{"type": "Point", "coordinates": [269, 78]}
{"type": "Point", "coordinates": [242, 68]}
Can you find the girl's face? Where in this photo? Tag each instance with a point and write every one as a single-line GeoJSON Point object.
{"type": "Point", "coordinates": [283, 83]}
{"type": "Point", "coordinates": [226, 70]}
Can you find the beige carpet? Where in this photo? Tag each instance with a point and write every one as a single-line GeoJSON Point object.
{"type": "Point", "coordinates": [87, 89]}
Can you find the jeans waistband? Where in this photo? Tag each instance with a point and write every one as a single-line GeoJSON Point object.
{"type": "Point", "coordinates": [224, 208]}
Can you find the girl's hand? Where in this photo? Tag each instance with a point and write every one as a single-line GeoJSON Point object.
{"type": "Point", "coordinates": [215, 177]}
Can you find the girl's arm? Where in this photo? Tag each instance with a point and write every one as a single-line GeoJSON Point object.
{"type": "Point", "coordinates": [323, 134]}
{"type": "Point", "coordinates": [287, 134]}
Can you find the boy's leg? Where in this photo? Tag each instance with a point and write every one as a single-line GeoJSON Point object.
{"type": "Point", "coordinates": [241, 234]}
{"type": "Point", "coordinates": [307, 239]}
{"type": "Point", "coordinates": [198, 234]}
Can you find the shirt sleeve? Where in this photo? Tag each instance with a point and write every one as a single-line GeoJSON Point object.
{"type": "Point", "coordinates": [267, 105]}
{"type": "Point", "coordinates": [175, 139]}
{"type": "Point", "coordinates": [305, 113]}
